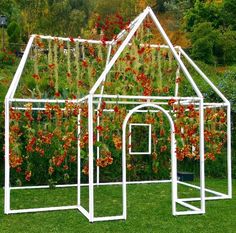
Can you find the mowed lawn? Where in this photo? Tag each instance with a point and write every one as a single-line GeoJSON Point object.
{"type": "Point", "coordinates": [149, 210]}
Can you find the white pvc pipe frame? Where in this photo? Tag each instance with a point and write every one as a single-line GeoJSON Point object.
{"type": "Point", "coordinates": [90, 214]}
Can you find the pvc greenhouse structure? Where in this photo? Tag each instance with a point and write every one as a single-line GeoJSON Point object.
{"type": "Point", "coordinates": [173, 96]}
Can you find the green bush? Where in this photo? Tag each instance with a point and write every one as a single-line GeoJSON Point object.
{"type": "Point", "coordinates": [204, 39]}
{"type": "Point", "coordinates": [227, 47]}
{"type": "Point", "coordinates": [6, 58]}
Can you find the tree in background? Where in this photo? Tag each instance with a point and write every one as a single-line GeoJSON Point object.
{"type": "Point", "coordinates": [229, 13]}
{"type": "Point", "coordinates": [204, 38]}
{"type": "Point", "coordinates": [227, 47]}
{"type": "Point", "coordinates": [202, 12]}
{"type": "Point", "coordinates": [216, 43]}
{"type": "Point", "coordinates": [14, 38]}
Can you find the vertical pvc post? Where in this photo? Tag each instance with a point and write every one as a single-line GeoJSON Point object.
{"type": "Point", "coordinates": [78, 161]}
{"type": "Point", "coordinates": [98, 149]}
{"type": "Point", "coordinates": [173, 170]}
{"type": "Point", "coordinates": [177, 76]}
{"type": "Point", "coordinates": [7, 159]}
{"type": "Point", "coordinates": [90, 131]}
{"type": "Point", "coordinates": [124, 191]}
{"type": "Point", "coordinates": [229, 159]}
{"type": "Point", "coordinates": [202, 159]}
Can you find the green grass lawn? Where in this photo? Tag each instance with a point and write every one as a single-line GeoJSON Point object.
{"type": "Point", "coordinates": [149, 210]}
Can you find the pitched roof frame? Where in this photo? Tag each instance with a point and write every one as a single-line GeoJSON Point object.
{"type": "Point", "coordinates": [141, 18]}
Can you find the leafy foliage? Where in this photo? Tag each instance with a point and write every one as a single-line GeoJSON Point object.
{"type": "Point", "coordinates": [211, 29]}
{"type": "Point", "coordinates": [204, 39]}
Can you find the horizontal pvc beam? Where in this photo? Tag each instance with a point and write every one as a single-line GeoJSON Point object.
{"type": "Point", "coordinates": [102, 42]}
{"type": "Point", "coordinates": [32, 210]}
{"type": "Point", "coordinates": [49, 100]}
{"type": "Point", "coordinates": [98, 184]}
{"type": "Point", "coordinates": [197, 187]}
{"type": "Point", "coordinates": [75, 39]}
{"type": "Point", "coordinates": [190, 212]}
{"type": "Point", "coordinates": [109, 218]}
{"type": "Point", "coordinates": [146, 97]}
{"type": "Point", "coordinates": [222, 197]}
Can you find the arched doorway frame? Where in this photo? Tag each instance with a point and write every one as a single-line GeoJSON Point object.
{"type": "Point", "coordinates": [173, 156]}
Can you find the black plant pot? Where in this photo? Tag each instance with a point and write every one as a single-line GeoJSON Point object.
{"type": "Point", "coordinates": [185, 176]}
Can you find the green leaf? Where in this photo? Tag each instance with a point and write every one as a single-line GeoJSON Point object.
{"type": "Point", "coordinates": [98, 144]}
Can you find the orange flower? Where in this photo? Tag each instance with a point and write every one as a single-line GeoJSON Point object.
{"type": "Point", "coordinates": [85, 170]}
{"type": "Point", "coordinates": [117, 141]}
{"type": "Point", "coordinates": [129, 167]}
{"type": "Point", "coordinates": [154, 155]}
{"type": "Point", "coordinates": [15, 160]}
{"type": "Point", "coordinates": [163, 148]}
{"type": "Point", "coordinates": [51, 66]}
{"type": "Point", "coordinates": [36, 76]}
{"type": "Point", "coordinates": [50, 170]}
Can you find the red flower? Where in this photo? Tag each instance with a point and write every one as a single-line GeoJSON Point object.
{"type": "Point", "coordinates": [191, 107]}
{"type": "Point", "coordinates": [116, 109]}
{"type": "Point", "coordinates": [80, 83]}
{"type": "Point", "coordinates": [28, 175]}
{"type": "Point", "coordinates": [171, 102]}
{"type": "Point", "coordinates": [57, 94]}
{"type": "Point", "coordinates": [72, 40]}
{"type": "Point", "coordinates": [141, 51]}
{"type": "Point", "coordinates": [18, 169]}
{"type": "Point", "coordinates": [14, 115]}
{"type": "Point", "coordinates": [68, 74]}
{"type": "Point", "coordinates": [178, 80]}
{"type": "Point", "coordinates": [28, 115]}
{"type": "Point", "coordinates": [103, 105]}
{"type": "Point", "coordinates": [72, 159]}
{"type": "Point", "coordinates": [162, 132]}
{"type": "Point", "coordinates": [84, 63]}
{"type": "Point", "coordinates": [99, 128]}
{"type": "Point", "coordinates": [103, 40]}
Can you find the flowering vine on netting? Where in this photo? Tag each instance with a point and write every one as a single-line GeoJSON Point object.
{"type": "Point", "coordinates": [44, 142]}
